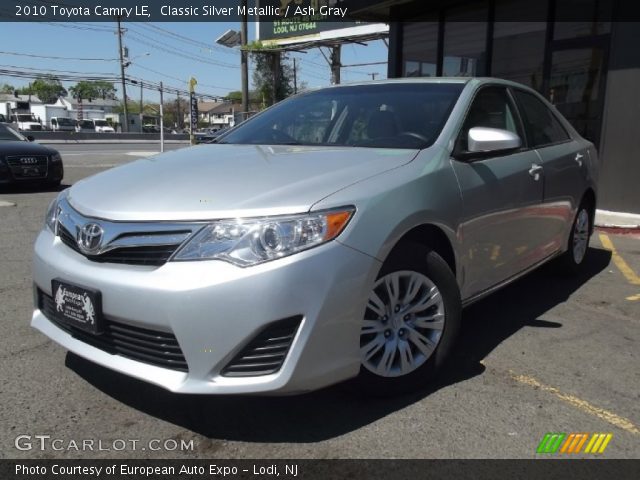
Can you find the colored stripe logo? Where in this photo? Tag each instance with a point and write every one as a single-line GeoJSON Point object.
{"type": "Point", "coordinates": [568, 443]}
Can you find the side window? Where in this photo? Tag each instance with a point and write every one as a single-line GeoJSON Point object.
{"type": "Point", "coordinates": [542, 125]}
{"type": "Point", "coordinates": [490, 108]}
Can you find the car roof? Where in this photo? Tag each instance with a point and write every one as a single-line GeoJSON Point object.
{"type": "Point", "coordinates": [476, 81]}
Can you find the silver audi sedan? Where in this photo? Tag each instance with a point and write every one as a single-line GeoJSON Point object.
{"type": "Point", "coordinates": [334, 236]}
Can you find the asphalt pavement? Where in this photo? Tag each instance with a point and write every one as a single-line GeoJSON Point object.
{"type": "Point", "coordinates": [546, 354]}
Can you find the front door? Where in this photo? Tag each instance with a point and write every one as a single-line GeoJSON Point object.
{"type": "Point", "coordinates": [502, 232]}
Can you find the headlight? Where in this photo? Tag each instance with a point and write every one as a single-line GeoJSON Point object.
{"type": "Point", "coordinates": [51, 219]}
{"type": "Point", "coordinates": [56, 158]}
{"type": "Point", "coordinates": [252, 241]}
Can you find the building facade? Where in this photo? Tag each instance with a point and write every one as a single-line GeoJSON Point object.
{"type": "Point", "coordinates": [575, 52]}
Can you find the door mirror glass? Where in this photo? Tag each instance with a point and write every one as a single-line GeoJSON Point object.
{"type": "Point", "coordinates": [485, 139]}
{"type": "Point", "coordinates": [31, 138]}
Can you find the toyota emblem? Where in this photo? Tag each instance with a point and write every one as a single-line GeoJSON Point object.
{"type": "Point", "coordinates": [90, 238]}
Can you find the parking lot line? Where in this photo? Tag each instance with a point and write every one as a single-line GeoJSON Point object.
{"type": "Point", "coordinates": [626, 270]}
{"type": "Point", "coordinates": [578, 403]}
{"type": "Point", "coordinates": [4, 203]}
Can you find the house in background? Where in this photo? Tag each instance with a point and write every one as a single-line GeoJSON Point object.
{"type": "Point", "coordinates": [216, 115]}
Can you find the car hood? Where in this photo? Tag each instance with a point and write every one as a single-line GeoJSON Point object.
{"type": "Point", "coordinates": [226, 181]}
{"type": "Point", "coordinates": [24, 148]}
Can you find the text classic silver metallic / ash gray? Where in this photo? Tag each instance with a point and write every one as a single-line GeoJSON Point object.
{"type": "Point", "coordinates": [336, 235]}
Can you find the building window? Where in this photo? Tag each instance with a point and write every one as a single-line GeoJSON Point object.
{"type": "Point", "coordinates": [565, 27]}
{"type": "Point", "coordinates": [420, 43]}
{"type": "Point", "coordinates": [518, 47]}
{"type": "Point", "coordinates": [465, 41]}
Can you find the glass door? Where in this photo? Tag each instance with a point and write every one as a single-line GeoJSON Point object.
{"type": "Point", "coordinates": [576, 85]}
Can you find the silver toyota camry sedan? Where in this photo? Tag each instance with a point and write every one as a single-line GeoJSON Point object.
{"type": "Point", "coordinates": [334, 236]}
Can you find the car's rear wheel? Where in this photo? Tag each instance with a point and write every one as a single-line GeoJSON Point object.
{"type": "Point", "coordinates": [578, 247]}
{"type": "Point", "coordinates": [411, 320]}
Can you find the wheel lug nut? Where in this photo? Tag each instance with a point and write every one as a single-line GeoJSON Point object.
{"type": "Point", "coordinates": [407, 318]}
{"type": "Point", "coordinates": [387, 333]}
{"type": "Point", "coordinates": [385, 319]}
{"type": "Point", "coordinates": [401, 332]}
{"type": "Point", "coordinates": [397, 309]}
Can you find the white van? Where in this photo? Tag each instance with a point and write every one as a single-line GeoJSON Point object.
{"type": "Point", "coordinates": [101, 126]}
{"type": "Point", "coordinates": [63, 124]}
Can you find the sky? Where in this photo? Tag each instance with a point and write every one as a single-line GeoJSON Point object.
{"type": "Point", "coordinates": [194, 53]}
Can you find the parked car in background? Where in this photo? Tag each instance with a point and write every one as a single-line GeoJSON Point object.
{"type": "Point", "coordinates": [23, 161]}
{"type": "Point", "coordinates": [26, 122]}
{"type": "Point", "coordinates": [102, 126]}
{"type": "Point", "coordinates": [63, 124]}
{"type": "Point", "coordinates": [85, 126]}
{"type": "Point", "coordinates": [336, 235]}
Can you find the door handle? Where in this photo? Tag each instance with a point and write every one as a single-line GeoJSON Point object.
{"type": "Point", "coordinates": [535, 171]}
{"type": "Point", "coordinates": [578, 159]}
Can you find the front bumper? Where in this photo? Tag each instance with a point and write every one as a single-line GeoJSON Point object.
{"type": "Point", "coordinates": [214, 309]}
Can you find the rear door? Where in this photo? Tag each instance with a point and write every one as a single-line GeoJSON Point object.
{"type": "Point", "coordinates": [501, 233]}
{"type": "Point", "coordinates": [564, 160]}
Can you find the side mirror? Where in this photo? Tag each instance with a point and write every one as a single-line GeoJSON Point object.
{"type": "Point", "coordinates": [484, 139]}
{"type": "Point", "coordinates": [31, 138]}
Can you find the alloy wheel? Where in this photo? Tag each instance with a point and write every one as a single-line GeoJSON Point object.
{"type": "Point", "coordinates": [403, 324]}
{"type": "Point", "coordinates": [581, 236]}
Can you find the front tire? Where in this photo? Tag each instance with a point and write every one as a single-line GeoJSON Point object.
{"type": "Point", "coordinates": [410, 324]}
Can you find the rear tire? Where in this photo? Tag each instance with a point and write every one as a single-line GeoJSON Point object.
{"type": "Point", "coordinates": [411, 322]}
{"type": "Point", "coordinates": [573, 259]}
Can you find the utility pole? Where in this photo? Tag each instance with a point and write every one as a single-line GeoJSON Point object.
{"type": "Point", "coordinates": [141, 105]}
{"type": "Point", "coordinates": [161, 120]}
{"type": "Point", "coordinates": [295, 76]}
{"type": "Point", "coordinates": [244, 63]}
{"type": "Point", "coordinates": [178, 119]}
{"type": "Point", "coordinates": [335, 65]}
{"type": "Point", "coordinates": [275, 65]}
{"type": "Point", "coordinates": [125, 125]}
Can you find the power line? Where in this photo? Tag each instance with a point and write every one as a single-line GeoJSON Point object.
{"type": "Point", "coordinates": [32, 55]}
{"type": "Point", "coordinates": [162, 46]}
{"type": "Point", "coordinates": [188, 40]}
{"type": "Point", "coordinates": [179, 79]}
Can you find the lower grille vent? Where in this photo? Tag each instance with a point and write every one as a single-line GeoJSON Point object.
{"type": "Point", "coordinates": [266, 353]}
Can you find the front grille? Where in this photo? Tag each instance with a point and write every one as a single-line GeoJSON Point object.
{"type": "Point", "coordinates": [266, 353]}
{"type": "Point", "coordinates": [144, 345]}
{"type": "Point", "coordinates": [153, 255]}
{"type": "Point", "coordinates": [36, 168]}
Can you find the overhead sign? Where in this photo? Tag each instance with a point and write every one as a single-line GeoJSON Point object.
{"type": "Point", "coordinates": [311, 20]}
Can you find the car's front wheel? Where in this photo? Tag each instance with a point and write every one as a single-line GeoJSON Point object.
{"type": "Point", "coordinates": [410, 323]}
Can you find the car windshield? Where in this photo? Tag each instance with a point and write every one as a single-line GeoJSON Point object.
{"type": "Point", "coordinates": [10, 135]}
{"type": "Point", "coordinates": [85, 124]}
{"type": "Point", "coordinates": [25, 118]}
{"type": "Point", "coordinates": [64, 121]}
{"type": "Point", "coordinates": [395, 115]}
{"type": "Point", "coordinates": [101, 123]}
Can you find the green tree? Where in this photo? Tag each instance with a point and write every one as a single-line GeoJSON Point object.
{"type": "Point", "coordinates": [93, 89]}
{"type": "Point", "coordinates": [6, 88]}
{"type": "Point", "coordinates": [235, 96]}
{"type": "Point", "coordinates": [47, 89]}
{"type": "Point", "coordinates": [272, 75]}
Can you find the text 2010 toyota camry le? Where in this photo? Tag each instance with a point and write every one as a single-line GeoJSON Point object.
{"type": "Point", "coordinates": [336, 235]}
